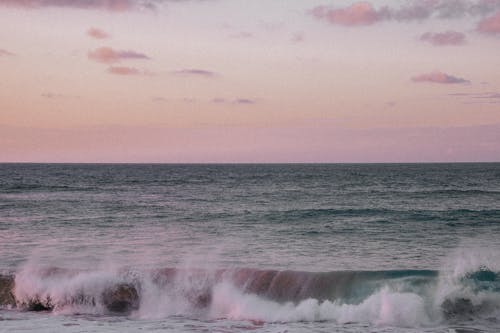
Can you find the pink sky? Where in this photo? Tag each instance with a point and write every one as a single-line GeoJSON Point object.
{"type": "Point", "coordinates": [249, 81]}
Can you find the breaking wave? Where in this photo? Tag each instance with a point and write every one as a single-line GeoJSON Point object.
{"type": "Point", "coordinates": [406, 298]}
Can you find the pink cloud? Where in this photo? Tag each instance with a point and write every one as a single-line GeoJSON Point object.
{"type": "Point", "coordinates": [444, 38]}
{"type": "Point", "coordinates": [97, 33]}
{"type": "Point", "coordinates": [5, 53]}
{"type": "Point", "coordinates": [361, 13]}
{"type": "Point", "coordinates": [111, 5]}
{"type": "Point", "coordinates": [123, 70]}
{"type": "Point", "coordinates": [108, 56]}
{"type": "Point", "coordinates": [490, 25]}
{"type": "Point", "coordinates": [439, 77]}
{"type": "Point", "coordinates": [364, 13]}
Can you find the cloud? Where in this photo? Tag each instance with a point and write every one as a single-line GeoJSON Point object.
{"type": "Point", "coordinates": [475, 98]}
{"type": "Point", "coordinates": [361, 13]}
{"type": "Point", "coordinates": [364, 13]}
{"type": "Point", "coordinates": [195, 72]}
{"type": "Point", "coordinates": [159, 99]}
{"type": "Point", "coordinates": [439, 77]}
{"type": "Point", "coordinates": [490, 25]}
{"type": "Point", "coordinates": [5, 53]}
{"type": "Point", "coordinates": [97, 33]}
{"type": "Point", "coordinates": [111, 5]}
{"type": "Point", "coordinates": [51, 95]}
{"type": "Point", "coordinates": [240, 101]}
{"type": "Point", "coordinates": [244, 101]}
{"type": "Point", "coordinates": [108, 56]}
{"type": "Point", "coordinates": [444, 38]}
{"type": "Point", "coordinates": [123, 70]}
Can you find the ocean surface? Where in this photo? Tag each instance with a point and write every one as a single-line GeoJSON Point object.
{"type": "Point", "coordinates": [260, 248]}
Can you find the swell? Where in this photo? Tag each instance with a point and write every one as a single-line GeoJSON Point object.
{"type": "Point", "coordinates": [396, 214]}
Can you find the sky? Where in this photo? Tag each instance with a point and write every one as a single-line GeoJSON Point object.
{"type": "Point", "coordinates": [249, 81]}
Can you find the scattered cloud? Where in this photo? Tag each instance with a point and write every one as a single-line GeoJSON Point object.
{"type": "Point", "coordinates": [97, 33]}
{"type": "Point", "coordinates": [490, 25]}
{"type": "Point", "coordinates": [5, 53]}
{"type": "Point", "coordinates": [108, 56]}
{"type": "Point", "coordinates": [195, 72]}
{"type": "Point", "coordinates": [439, 77]}
{"type": "Point", "coordinates": [364, 13]}
{"type": "Point", "coordinates": [444, 38]}
{"type": "Point", "coordinates": [361, 13]}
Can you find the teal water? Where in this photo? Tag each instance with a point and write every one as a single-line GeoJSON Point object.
{"type": "Point", "coordinates": [308, 219]}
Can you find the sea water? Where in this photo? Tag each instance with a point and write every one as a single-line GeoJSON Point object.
{"type": "Point", "coordinates": [237, 248]}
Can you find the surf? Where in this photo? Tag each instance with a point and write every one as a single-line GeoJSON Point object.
{"type": "Point", "coordinates": [408, 298]}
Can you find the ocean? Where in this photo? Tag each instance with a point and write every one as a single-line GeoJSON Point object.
{"type": "Point", "coordinates": [250, 247]}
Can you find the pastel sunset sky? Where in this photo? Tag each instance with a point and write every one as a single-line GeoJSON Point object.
{"type": "Point", "coordinates": [249, 81]}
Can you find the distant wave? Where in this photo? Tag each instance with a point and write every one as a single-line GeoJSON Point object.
{"type": "Point", "coordinates": [410, 214]}
{"type": "Point", "coordinates": [16, 188]}
{"type": "Point", "coordinates": [396, 297]}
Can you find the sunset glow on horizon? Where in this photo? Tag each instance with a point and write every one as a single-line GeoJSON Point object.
{"type": "Point", "coordinates": [249, 81]}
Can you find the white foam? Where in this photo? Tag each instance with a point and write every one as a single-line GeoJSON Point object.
{"type": "Point", "coordinates": [63, 289]}
{"type": "Point", "coordinates": [384, 307]}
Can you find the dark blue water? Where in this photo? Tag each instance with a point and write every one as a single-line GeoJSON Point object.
{"type": "Point", "coordinates": [442, 218]}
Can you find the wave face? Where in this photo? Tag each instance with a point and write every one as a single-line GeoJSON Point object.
{"type": "Point", "coordinates": [396, 297]}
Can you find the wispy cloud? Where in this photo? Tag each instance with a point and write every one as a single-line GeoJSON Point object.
{"type": "Point", "coordinates": [97, 33]}
{"type": "Point", "coordinates": [195, 72]}
{"type": "Point", "coordinates": [239, 101]}
{"type": "Point", "coordinates": [444, 38]}
{"type": "Point", "coordinates": [5, 53]}
{"type": "Point", "coordinates": [483, 97]}
{"type": "Point", "coordinates": [244, 101]}
{"type": "Point", "coordinates": [111, 5]}
{"type": "Point", "coordinates": [159, 99]}
{"type": "Point", "coordinates": [108, 56]}
{"type": "Point", "coordinates": [52, 95]}
{"type": "Point", "coordinates": [364, 13]}
{"type": "Point", "coordinates": [490, 25]}
{"type": "Point", "coordinates": [361, 13]}
{"type": "Point", "coordinates": [126, 71]}
{"type": "Point", "coordinates": [439, 77]}
{"type": "Point", "coordinates": [218, 100]}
